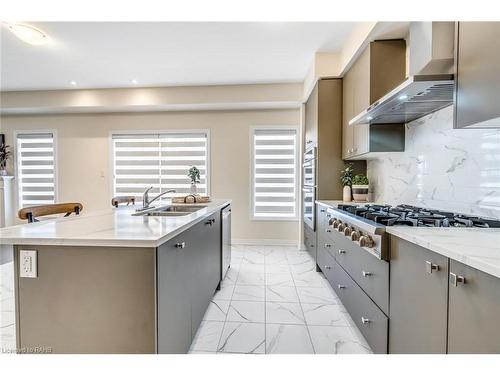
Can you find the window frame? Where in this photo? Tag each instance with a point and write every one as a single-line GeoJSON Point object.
{"type": "Point", "coordinates": [253, 130]}
{"type": "Point", "coordinates": [16, 133]}
{"type": "Point", "coordinates": [149, 132]}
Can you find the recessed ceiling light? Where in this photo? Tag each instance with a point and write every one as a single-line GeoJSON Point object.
{"type": "Point", "coordinates": [403, 97]}
{"type": "Point", "coordinates": [370, 118]}
{"type": "Point", "coordinates": [28, 33]}
{"type": "Point", "coordinates": [134, 81]}
{"type": "Point", "coordinates": [72, 83]}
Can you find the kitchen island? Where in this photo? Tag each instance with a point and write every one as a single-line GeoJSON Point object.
{"type": "Point", "coordinates": [116, 282]}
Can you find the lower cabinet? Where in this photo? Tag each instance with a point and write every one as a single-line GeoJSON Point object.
{"type": "Point", "coordinates": [474, 311]}
{"type": "Point", "coordinates": [174, 304]}
{"type": "Point", "coordinates": [370, 320]}
{"type": "Point", "coordinates": [418, 299]}
{"type": "Point", "coordinates": [188, 272]}
{"type": "Point", "coordinates": [439, 305]}
{"type": "Point", "coordinates": [310, 240]}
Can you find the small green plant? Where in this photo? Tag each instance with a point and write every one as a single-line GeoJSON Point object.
{"type": "Point", "coordinates": [4, 155]}
{"type": "Point", "coordinates": [360, 179]}
{"type": "Point", "coordinates": [194, 175]}
{"type": "Point", "coordinates": [346, 175]}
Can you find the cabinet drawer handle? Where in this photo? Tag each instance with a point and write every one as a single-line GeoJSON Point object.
{"type": "Point", "coordinates": [328, 267]}
{"type": "Point", "coordinates": [328, 215]}
{"type": "Point", "coordinates": [311, 245]}
{"type": "Point", "coordinates": [327, 245]}
{"type": "Point", "coordinates": [322, 210]}
{"type": "Point", "coordinates": [180, 245]}
{"type": "Point", "coordinates": [429, 267]}
{"type": "Point", "coordinates": [328, 230]}
{"type": "Point", "coordinates": [340, 286]}
{"type": "Point", "coordinates": [342, 252]}
{"type": "Point", "coordinates": [365, 320]}
{"type": "Point", "coordinates": [455, 279]}
{"type": "Point", "coordinates": [367, 273]}
{"type": "Point", "coordinates": [210, 222]}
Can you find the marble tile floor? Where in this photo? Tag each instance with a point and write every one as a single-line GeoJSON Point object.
{"type": "Point", "coordinates": [273, 301]}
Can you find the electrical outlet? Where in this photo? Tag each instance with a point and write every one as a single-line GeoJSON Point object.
{"type": "Point", "coordinates": [28, 264]}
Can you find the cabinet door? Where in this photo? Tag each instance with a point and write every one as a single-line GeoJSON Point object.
{"type": "Point", "coordinates": [311, 118]}
{"type": "Point", "coordinates": [204, 245]}
{"type": "Point", "coordinates": [174, 305]}
{"type": "Point", "coordinates": [418, 299]}
{"type": "Point", "coordinates": [361, 94]}
{"type": "Point", "coordinates": [474, 311]}
{"type": "Point", "coordinates": [347, 115]}
{"type": "Point", "coordinates": [477, 75]}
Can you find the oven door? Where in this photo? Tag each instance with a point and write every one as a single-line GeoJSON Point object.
{"type": "Point", "coordinates": [308, 206]}
{"type": "Point", "coordinates": [309, 173]}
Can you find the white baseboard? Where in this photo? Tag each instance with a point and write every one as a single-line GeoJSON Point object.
{"type": "Point", "coordinates": [264, 242]}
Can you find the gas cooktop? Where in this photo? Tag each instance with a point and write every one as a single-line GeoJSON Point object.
{"type": "Point", "coordinates": [416, 216]}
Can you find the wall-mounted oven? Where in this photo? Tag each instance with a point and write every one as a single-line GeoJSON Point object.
{"type": "Point", "coordinates": [308, 206]}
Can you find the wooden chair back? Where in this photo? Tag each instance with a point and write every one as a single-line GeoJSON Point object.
{"type": "Point", "coordinates": [31, 213]}
{"type": "Point", "coordinates": [127, 199]}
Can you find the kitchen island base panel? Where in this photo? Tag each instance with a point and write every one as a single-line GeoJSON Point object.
{"type": "Point", "coordinates": [88, 300]}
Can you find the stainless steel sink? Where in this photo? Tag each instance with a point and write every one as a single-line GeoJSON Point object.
{"type": "Point", "coordinates": [169, 211]}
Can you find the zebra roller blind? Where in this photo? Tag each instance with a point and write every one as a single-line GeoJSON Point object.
{"type": "Point", "coordinates": [275, 173]}
{"type": "Point", "coordinates": [35, 169]}
{"type": "Point", "coordinates": [158, 160]}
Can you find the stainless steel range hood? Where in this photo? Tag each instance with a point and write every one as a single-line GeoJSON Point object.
{"type": "Point", "coordinates": [417, 96]}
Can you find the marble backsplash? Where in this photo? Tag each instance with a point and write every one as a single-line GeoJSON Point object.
{"type": "Point", "coordinates": [442, 167]}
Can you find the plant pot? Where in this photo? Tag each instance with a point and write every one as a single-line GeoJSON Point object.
{"type": "Point", "coordinates": [193, 190]}
{"type": "Point", "coordinates": [360, 193]}
{"type": "Point", "coordinates": [346, 194]}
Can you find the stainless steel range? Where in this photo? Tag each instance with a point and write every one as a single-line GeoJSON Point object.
{"type": "Point", "coordinates": [365, 224]}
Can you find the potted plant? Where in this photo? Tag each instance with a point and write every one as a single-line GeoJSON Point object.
{"type": "Point", "coordinates": [4, 156]}
{"type": "Point", "coordinates": [194, 176]}
{"type": "Point", "coordinates": [346, 180]}
{"type": "Point", "coordinates": [360, 185]}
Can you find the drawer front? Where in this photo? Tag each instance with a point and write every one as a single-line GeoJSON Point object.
{"type": "Point", "coordinates": [321, 217]}
{"type": "Point", "coordinates": [310, 241]}
{"type": "Point", "coordinates": [324, 258]}
{"type": "Point", "coordinates": [370, 273]}
{"type": "Point", "coordinates": [370, 320]}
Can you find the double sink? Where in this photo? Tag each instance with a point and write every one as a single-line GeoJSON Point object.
{"type": "Point", "coordinates": [171, 210]}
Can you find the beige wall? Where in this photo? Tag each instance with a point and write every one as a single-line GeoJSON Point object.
{"type": "Point", "coordinates": [83, 156]}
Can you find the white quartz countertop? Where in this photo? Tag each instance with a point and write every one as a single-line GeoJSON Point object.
{"type": "Point", "coordinates": [475, 247]}
{"type": "Point", "coordinates": [111, 227]}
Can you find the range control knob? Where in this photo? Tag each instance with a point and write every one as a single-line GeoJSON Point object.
{"type": "Point", "coordinates": [366, 241]}
{"type": "Point", "coordinates": [335, 223]}
{"type": "Point", "coordinates": [355, 235]}
{"type": "Point", "coordinates": [331, 221]}
{"type": "Point", "coordinates": [347, 231]}
{"type": "Point", "coordinates": [341, 227]}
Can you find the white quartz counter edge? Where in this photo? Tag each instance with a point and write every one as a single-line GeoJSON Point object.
{"type": "Point", "coordinates": [476, 247]}
{"type": "Point", "coordinates": [118, 228]}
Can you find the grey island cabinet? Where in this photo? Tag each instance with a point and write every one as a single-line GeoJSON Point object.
{"type": "Point", "coordinates": [115, 282]}
{"type": "Point", "coordinates": [440, 305]}
{"type": "Point", "coordinates": [188, 274]}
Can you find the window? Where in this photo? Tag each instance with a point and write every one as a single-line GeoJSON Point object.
{"type": "Point", "coordinates": [160, 160]}
{"type": "Point", "coordinates": [274, 192]}
{"type": "Point", "coordinates": [36, 168]}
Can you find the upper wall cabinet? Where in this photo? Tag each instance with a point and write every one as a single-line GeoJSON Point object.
{"type": "Point", "coordinates": [380, 68]}
{"type": "Point", "coordinates": [477, 75]}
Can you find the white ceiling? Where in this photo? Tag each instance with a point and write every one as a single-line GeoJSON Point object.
{"type": "Point", "coordinates": [112, 54]}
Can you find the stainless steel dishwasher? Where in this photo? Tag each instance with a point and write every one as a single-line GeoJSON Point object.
{"type": "Point", "coordinates": [226, 240]}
